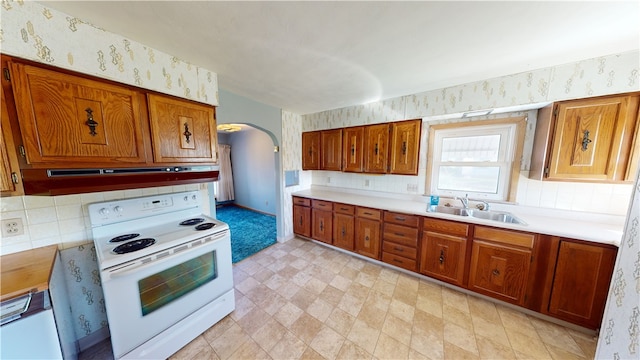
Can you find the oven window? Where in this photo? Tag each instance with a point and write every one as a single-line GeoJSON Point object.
{"type": "Point", "coordinates": [168, 285]}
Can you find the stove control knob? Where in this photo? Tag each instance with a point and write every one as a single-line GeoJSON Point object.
{"type": "Point", "coordinates": [118, 209]}
{"type": "Point", "coordinates": [193, 197]}
{"type": "Point", "coordinates": [103, 211]}
{"type": "Point", "coordinates": [186, 198]}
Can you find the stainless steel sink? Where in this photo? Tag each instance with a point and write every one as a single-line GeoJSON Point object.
{"type": "Point", "coordinates": [497, 216]}
{"type": "Point", "coordinates": [451, 210]}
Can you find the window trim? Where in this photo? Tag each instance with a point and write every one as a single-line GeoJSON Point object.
{"type": "Point", "coordinates": [518, 137]}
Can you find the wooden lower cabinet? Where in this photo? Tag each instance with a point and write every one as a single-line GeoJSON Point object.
{"type": "Point", "coordinates": [444, 250]}
{"type": "Point", "coordinates": [343, 226]}
{"type": "Point", "coordinates": [581, 282]}
{"type": "Point", "coordinates": [302, 216]}
{"type": "Point", "coordinates": [322, 221]}
{"type": "Point", "coordinates": [367, 232]}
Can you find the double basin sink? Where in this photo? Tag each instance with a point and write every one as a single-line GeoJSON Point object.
{"type": "Point", "coordinates": [498, 216]}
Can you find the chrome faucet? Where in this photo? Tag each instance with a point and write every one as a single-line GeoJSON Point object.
{"type": "Point", "coordinates": [464, 200]}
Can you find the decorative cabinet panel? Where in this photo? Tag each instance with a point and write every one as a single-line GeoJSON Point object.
{"type": "Point", "coordinates": [10, 183]}
{"type": "Point", "coordinates": [331, 153]}
{"type": "Point", "coordinates": [322, 221]}
{"type": "Point", "coordinates": [311, 150]}
{"type": "Point", "coordinates": [182, 131]}
{"type": "Point", "coordinates": [587, 140]}
{"type": "Point", "coordinates": [302, 216]}
{"type": "Point", "coordinates": [500, 261]}
{"type": "Point", "coordinates": [367, 235]}
{"type": "Point", "coordinates": [343, 226]}
{"type": "Point", "coordinates": [69, 119]}
{"type": "Point", "coordinates": [581, 282]}
{"type": "Point", "coordinates": [444, 250]}
{"type": "Point", "coordinates": [400, 240]}
{"type": "Point", "coordinates": [376, 145]}
{"type": "Point", "coordinates": [405, 147]}
{"type": "Point", "coordinates": [353, 149]}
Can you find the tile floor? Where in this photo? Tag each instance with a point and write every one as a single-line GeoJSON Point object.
{"type": "Point", "coordinates": [301, 300]}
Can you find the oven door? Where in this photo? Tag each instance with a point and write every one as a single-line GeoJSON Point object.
{"type": "Point", "coordinates": [146, 298]}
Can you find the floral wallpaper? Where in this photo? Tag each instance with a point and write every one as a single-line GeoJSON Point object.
{"type": "Point", "coordinates": [32, 31]}
{"type": "Point", "coordinates": [620, 332]}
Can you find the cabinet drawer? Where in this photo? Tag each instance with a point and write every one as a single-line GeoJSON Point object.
{"type": "Point", "coordinates": [399, 261]}
{"type": "Point", "coordinates": [504, 236]}
{"type": "Point", "coordinates": [301, 201]}
{"type": "Point", "coordinates": [344, 209]}
{"type": "Point", "coordinates": [401, 234]}
{"type": "Point", "coordinates": [368, 213]}
{"type": "Point", "coordinates": [401, 250]}
{"type": "Point", "coordinates": [322, 205]}
{"type": "Point", "coordinates": [447, 227]}
{"type": "Point", "coordinates": [401, 219]}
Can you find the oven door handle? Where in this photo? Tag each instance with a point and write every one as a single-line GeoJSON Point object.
{"type": "Point", "coordinates": [137, 266]}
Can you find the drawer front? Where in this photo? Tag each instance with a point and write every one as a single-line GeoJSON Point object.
{"type": "Point", "coordinates": [401, 250]}
{"type": "Point", "coordinates": [322, 205]}
{"type": "Point", "coordinates": [344, 209]}
{"type": "Point", "coordinates": [399, 261]}
{"type": "Point", "coordinates": [368, 213]}
{"type": "Point", "coordinates": [301, 201]}
{"type": "Point", "coordinates": [401, 234]}
{"type": "Point", "coordinates": [446, 227]}
{"type": "Point", "coordinates": [401, 219]}
{"type": "Point", "coordinates": [504, 236]}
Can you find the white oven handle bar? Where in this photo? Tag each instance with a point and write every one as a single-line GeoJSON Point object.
{"type": "Point", "coordinates": [158, 258]}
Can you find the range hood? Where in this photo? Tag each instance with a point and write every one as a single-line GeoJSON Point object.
{"type": "Point", "coordinates": [77, 181]}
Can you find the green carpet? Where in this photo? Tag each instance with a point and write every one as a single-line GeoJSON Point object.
{"type": "Point", "coordinates": [251, 231]}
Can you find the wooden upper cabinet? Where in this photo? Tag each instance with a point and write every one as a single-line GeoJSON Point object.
{"type": "Point", "coordinates": [182, 131]}
{"type": "Point", "coordinates": [331, 153]}
{"type": "Point", "coordinates": [405, 147]}
{"type": "Point", "coordinates": [66, 119]}
{"type": "Point", "coordinates": [10, 183]}
{"type": "Point", "coordinates": [587, 140]}
{"type": "Point", "coordinates": [311, 150]}
{"type": "Point", "coordinates": [376, 148]}
{"type": "Point", "coordinates": [353, 148]}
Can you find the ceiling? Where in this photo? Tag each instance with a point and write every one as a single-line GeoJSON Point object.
{"type": "Point", "coordinates": [309, 56]}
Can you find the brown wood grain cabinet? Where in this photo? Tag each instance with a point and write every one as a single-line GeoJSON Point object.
{"type": "Point", "coordinates": [400, 240]}
{"type": "Point", "coordinates": [343, 226]}
{"type": "Point", "coordinates": [444, 250]}
{"type": "Point", "coordinates": [587, 140]}
{"type": "Point", "coordinates": [331, 149]}
{"type": "Point", "coordinates": [376, 148]}
{"type": "Point", "coordinates": [581, 282]}
{"type": "Point", "coordinates": [353, 149]}
{"type": "Point", "coordinates": [405, 147]}
{"type": "Point", "coordinates": [322, 221]}
{"type": "Point", "coordinates": [182, 131]}
{"type": "Point", "coordinates": [67, 119]}
{"type": "Point", "coordinates": [311, 150]}
{"type": "Point", "coordinates": [302, 216]}
{"type": "Point", "coordinates": [367, 232]}
{"type": "Point", "coordinates": [10, 183]}
{"type": "Point", "coordinates": [500, 262]}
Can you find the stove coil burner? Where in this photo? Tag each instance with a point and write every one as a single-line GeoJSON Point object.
{"type": "Point", "coordinates": [205, 226]}
{"type": "Point", "coordinates": [125, 237]}
{"type": "Point", "coordinates": [134, 245]}
{"type": "Point", "coordinates": [193, 221]}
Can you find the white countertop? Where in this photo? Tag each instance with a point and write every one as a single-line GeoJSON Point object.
{"type": "Point", "coordinates": [601, 228]}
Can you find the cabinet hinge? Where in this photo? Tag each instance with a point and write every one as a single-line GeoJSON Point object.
{"type": "Point", "coordinates": [21, 150]}
{"type": "Point", "coordinates": [555, 111]}
{"type": "Point", "coordinates": [14, 177]}
{"type": "Point", "coordinates": [546, 171]}
{"type": "Point", "coordinates": [7, 74]}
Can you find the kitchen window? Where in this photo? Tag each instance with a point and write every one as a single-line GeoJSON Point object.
{"type": "Point", "coordinates": [478, 158]}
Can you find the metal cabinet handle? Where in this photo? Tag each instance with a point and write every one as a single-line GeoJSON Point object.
{"type": "Point", "coordinates": [441, 258]}
{"type": "Point", "coordinates": [398, 249]}
{"type": "Point", "coordinates": [344, 232]}
{"type": "Point", "coordinates": [585, 140]}
{"type": "Point", "coordinates": [495, 272]}
{"type": "Point", "coordinates": [187, 134]}
{"type": "Point", "coordinates": [404, 148]}
{"type": "Point", "coordinates": [321, 226]}
{"type": "Point", "coordinates": [92, 124]}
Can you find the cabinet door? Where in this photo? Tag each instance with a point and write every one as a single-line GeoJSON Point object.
{"type": "Point", "coordinates": [352, 151]}
{"type": "Point", "coordinates": [302, 220]}
{"type": "Point", "coordinates": [581, 282]}
{"type": "Point", "coordinates": [9, 179]}
{"type": "Point", "coordinates": [376, 148]}
{"type": "Point", "coordinates": [322, 225]}
{"type": "Point", "coordinates": [405, 147]}
{"type": "Point", "coordinates": [182, 131]}
{"type": "Point", "coordinates": [499, 271]}
{"type": "Point", "coordinates": [593, 138]}
{"type": "Point", "coordinates": [67, 119]}
{"type": "Point", "coordinates": [367, 240]}
{"type": "Point", "coordinates": [443, 257]}
{"type": "Point", "coordinates": [331, 153]}
{"type": "Point", "coordinates": [311, 150]}
{"type": "Point", "coordinates": [343, 231]}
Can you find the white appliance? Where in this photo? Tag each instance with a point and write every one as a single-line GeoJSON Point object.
{"type": "Point", "coordinates": [165, 269]}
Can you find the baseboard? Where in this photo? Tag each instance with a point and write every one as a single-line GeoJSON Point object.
{"type": "Point", "coordinates": [254, 210]}
{"type": "Point", "coordinates": [94, 338]}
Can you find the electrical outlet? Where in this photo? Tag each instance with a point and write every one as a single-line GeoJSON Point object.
{"type": "Point", "coordinates": [367, 183]}
{"type": "Point", "coordinates": [12, 227]}
{"type": "Point", "coordinates": [412, 187]}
